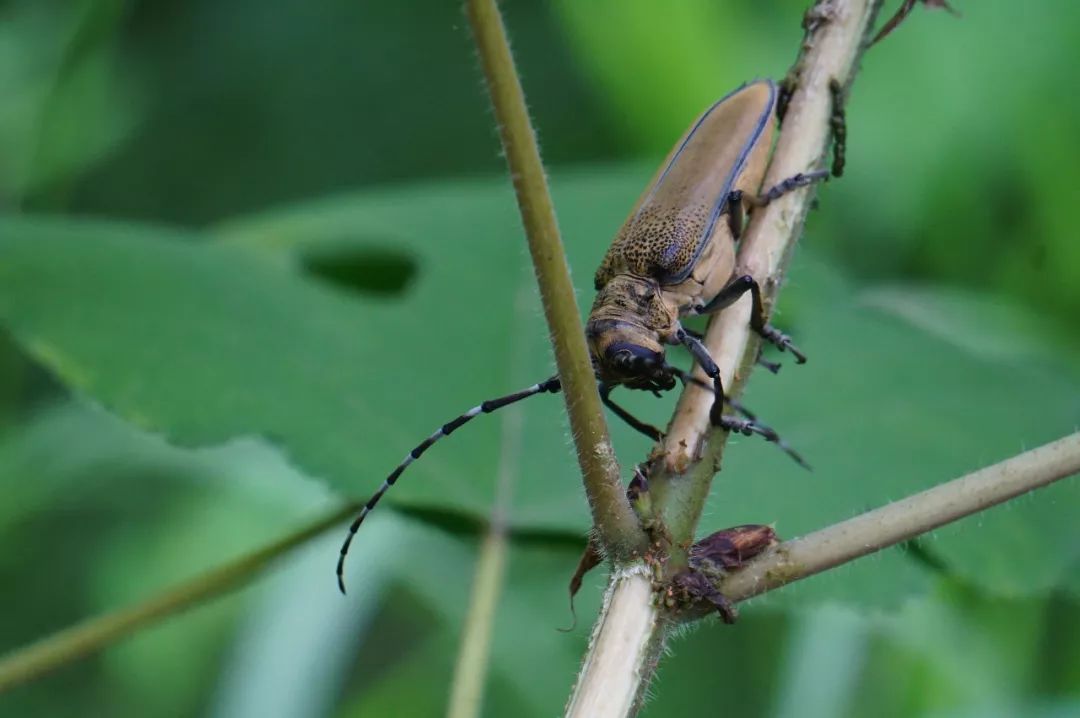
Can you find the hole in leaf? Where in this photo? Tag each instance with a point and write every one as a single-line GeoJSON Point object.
{"type": "Point", "coordinates": [369, 270]}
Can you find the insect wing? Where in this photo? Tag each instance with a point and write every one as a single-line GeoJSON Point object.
{"type": "Point", "coordinates": [678, 213]}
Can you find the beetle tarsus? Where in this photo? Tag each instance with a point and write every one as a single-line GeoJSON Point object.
{"type": "Point", "coordinates": [739, 426]}
{"type": "Point", "coordinates": [736, 198]}
{"type": "Point", "coordinates": [782, 342]}
{"type": "Point", "coordinates": [771, 435]}
{"type": "Point", "coordinates": [838, 125]}
{"type": "Point", "coordinates": [773, 367]}
{"type": "Point", "coordinates": [784, 186]}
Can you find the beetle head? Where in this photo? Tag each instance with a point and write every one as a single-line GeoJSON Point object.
{"type": "Point", "coordinates": [625, 327]}
{"type": "Point", "coordinates": [630, 355]}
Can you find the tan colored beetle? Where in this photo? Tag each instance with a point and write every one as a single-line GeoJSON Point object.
{"type": "Point", "coordinates": [674, 257]}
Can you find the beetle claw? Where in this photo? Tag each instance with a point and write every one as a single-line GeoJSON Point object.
{"type": "Point", "coordinates": [743, 426]}
{"type": "Point", "coordinates": [783, 342]}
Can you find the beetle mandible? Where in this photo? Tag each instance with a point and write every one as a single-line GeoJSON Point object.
{"type": "Point", "coordinates": [674, 257]}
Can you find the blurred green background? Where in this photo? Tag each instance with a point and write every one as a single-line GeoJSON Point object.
{"type": "Point", "coordinates": [252, 252]}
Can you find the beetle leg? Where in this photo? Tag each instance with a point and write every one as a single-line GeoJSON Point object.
{"type": "Point", "coordinates": [779, 441]}
{"type": "Point", "coordinates": [766, 431]}
{"type": "Point", "coordinates": [716, 414]}
{"type": "Point", "coordinates": [784, 186]}
{"type": "Point", "coordinates": [768, 332]}
{"type": "Point", "coordinates": [701, 355]}
{"type": "Point", "coordinates": [772, 367]}
{"type": "Point", "coordinates": [735, 214]}
{"type": "Point", "coordinates": [838, 125]}
{"type": "Point", "coordinates": [737, 197]}
{"type": "Point", "coordinates": [728, 295]}
{"type": "Point", "coordinates": [694, 333]}
{"type": "Point", "coordinates": [731, 293]}
{"type": "Point", "coordinates": [632, 421]}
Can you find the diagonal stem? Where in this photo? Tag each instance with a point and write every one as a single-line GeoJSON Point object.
{"type": "Point", "coordinates": [904, 519]}
{"type": "Point", "coordinates": [474, 652]}
{"type": "Point", "coordinates": [82, 639]}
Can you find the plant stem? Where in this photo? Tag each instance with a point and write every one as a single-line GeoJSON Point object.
{"type": "Point", "coordinates": [618, 529]}
{"type": "Point", "coordinates": [901, 520]}
{"type": "Point", "coordinates": [614, 673]}
{"type": "Point", "coordinates": [471, 668]}
{"type": "Point", "coordinates": [82, 639]}
{"type": "Point", "coordinates": [836, 32]}
{"type": "Point", "coordinates": [470, 673]}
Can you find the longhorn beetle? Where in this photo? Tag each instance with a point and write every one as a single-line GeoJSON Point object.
{"type": "Point", "coordinates": [674, 257]}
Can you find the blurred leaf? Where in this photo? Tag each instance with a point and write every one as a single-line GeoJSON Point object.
{"type": "Point", "coordinates": [72, 104]}
{"type": "Point", "coordinates": [248, 105]}
{"type": "Point", "coordinates": [958, 652]}
{"type": "Point", "coordinates": [658, 71]}
{"type": "Point", "coordinates": [208, 343]}
{"type": "Point", "coordinates": [713, 665]}
{"type": "Point", "coordinates": [982, 325]}
{"type": "Point", "coordinates": [141, 558]}
{"type": "Point", "coordinates": [824, 660]}
{"type": "Point", "coordinates": [300, 636]}
{"type": "Point", "coordinates": [96, 515]}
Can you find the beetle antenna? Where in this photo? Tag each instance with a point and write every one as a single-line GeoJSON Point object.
{"type": "Point", "coordinates": [551, 385]}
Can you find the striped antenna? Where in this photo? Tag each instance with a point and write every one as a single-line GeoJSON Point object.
{"type": "Point", "coordinates": [552, 385]}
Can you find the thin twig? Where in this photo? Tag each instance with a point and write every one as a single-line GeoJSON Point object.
{"type": "Point", "coordinates": [836, 32]}
{"type": "Point", "coordinates": [471, 667]}
{"type": "Point", "coordinates": [901, 520]}
{"type": "Point", "coordinates": [82, 639]}
{"type": "Point", "coordinates": [617, 527]}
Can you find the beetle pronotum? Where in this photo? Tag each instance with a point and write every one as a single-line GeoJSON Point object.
{"type": "Point", "coordinates": [673, 258]}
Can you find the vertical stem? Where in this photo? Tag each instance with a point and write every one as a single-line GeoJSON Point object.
{"type": "Point", "coordinates": [467, 691]}
{"type": "Point", "coordinates": [470, 672]}
{"type": "Point", "coordinates": [626, 643]}
{"type": "Point", "coordinates": [618, 528]}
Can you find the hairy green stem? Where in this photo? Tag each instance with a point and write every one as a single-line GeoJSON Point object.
{"type": "Point", "coordinates": [617, 527]}
{"type": "Point", "coordinates": [82, 639]}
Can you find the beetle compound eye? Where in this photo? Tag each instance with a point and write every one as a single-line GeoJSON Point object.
{"type": "Point", "coordinates": [626, 353]}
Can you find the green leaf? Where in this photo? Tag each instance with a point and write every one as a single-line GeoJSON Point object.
{"type": "Point", "coordinates": [206, 343]}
